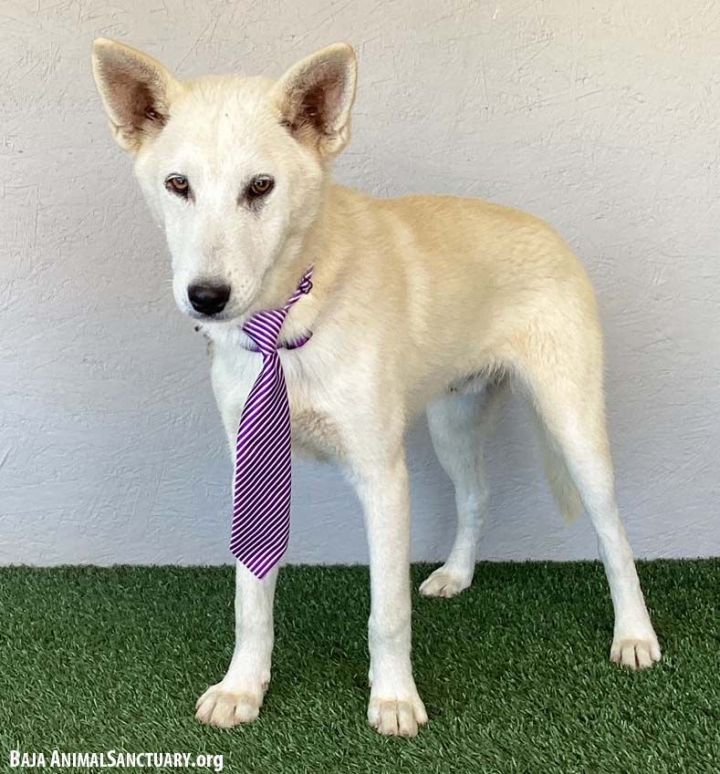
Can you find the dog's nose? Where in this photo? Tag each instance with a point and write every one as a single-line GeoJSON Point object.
{"type": "Point", "coordinates": [208, 299]}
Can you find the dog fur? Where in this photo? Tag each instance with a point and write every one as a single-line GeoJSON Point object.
{"type": "Point", "coordinates": [420, 302]}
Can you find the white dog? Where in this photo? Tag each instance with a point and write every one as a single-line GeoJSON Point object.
{"type": "Point", "coordinates": [418, 302]}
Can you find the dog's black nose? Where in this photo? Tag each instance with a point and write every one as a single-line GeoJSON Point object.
{"type": "Point", "coordinates": [208, 299]}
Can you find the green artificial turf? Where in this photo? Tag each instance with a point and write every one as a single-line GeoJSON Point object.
{"type": "Point", "coordinates": [514, 672]}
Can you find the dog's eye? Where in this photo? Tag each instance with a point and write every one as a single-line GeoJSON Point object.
{"type": "Point", "coordinates": [178, 185]}
{"type": "Point", "coordinates": [259, 186]}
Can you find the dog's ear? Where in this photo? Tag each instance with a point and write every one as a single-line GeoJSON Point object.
{"type": "Point", "coordinates": [315, 97]}
{"type": "Point", "coordinates": [135, 89]}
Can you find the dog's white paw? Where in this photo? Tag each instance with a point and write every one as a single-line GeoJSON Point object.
{"type": "Point", "coordinates": [635, 652]}
{"type": "Point", "coordinates": [444, 582]}
{"type": "Point", "coordinates": [397, 715]}
{"type": "Point", "coordinates": [225, 708]}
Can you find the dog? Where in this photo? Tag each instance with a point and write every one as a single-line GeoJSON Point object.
{"type": "Point", "coordinates": [433, 303]}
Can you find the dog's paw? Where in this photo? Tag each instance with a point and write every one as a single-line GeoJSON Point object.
{"type": "Point", "coordinates": [444, 582]}
{"type": "Point", "coordinates": [225, 708]}
{"type": "Point", "coordinates": [639, 652]}
{"type": "Point", "coordinates": [397, 715]}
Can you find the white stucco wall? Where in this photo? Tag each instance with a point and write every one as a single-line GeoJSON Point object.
{"type": "Point", "coordinates": [600, 117]}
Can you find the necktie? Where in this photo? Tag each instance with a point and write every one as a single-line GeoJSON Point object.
{"type": "Point", "coordinates": [261, 492]}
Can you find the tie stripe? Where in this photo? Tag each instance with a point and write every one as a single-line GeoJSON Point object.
{"type": "Point", "coordinates": [262, 483]}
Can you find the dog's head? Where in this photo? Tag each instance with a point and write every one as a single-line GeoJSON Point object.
{"type": "Point", "coordinates": [234, 168]}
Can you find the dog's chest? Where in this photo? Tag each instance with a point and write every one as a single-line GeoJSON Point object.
{"type": "Point", "coordinates": [315, 431]}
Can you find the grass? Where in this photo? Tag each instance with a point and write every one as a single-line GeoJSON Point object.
{"type": "Point", "coordinates": [514, 672]}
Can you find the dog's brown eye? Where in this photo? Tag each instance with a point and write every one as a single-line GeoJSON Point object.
{"type": "Point", "coordinates": [178, 185]}
{"type": "Point", "coordinates": [260, 186]}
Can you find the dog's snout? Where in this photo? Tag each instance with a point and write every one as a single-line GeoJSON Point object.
{"type": "Point", "coordinates": [208, 298]}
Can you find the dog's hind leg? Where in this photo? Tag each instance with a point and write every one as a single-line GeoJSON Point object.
{"type": "Point", "coordinates": [455, 422]}
{"type": "Point", "coordinates": [563, 369]}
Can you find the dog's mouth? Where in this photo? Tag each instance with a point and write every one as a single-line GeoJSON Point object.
{"type": "Point", "coordinates": [220, 324]}
{"type": "Point", "coordinates": [232, 314]}
{"type": "Point", "coordinates": [208, 319]}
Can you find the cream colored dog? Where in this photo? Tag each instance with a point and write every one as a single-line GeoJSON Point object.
{"type": "Point", "coordinates": [419, 302]}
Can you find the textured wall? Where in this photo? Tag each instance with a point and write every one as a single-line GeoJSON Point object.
{"type": "Point", "coordinates": [600, 117]}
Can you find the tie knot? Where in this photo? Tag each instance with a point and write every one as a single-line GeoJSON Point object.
{"type": "Point", "coordinates": [263, 328]}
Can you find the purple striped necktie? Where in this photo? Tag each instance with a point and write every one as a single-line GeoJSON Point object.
{"type": "Point", "coordinates": [261, 492]}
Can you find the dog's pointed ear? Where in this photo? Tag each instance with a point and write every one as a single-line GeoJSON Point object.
{"type": "Point", "coordinates": [315, 98]}
{"type": "Point", "coordinates": [136, 91]}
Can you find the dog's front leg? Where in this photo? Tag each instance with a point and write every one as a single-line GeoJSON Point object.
{"type": "Point", "coordinates": [238, 697]}
{"type": "Point", "coordinates": [395, 706]}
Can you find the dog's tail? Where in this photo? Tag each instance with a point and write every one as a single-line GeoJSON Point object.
{"type": "Point", "coordinates": [558, 475]}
